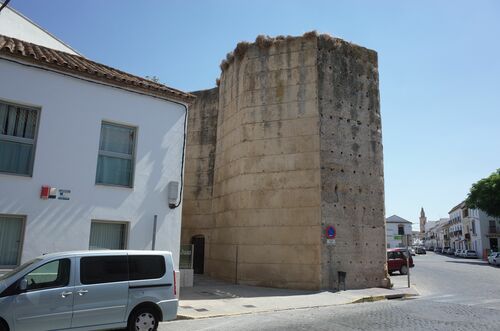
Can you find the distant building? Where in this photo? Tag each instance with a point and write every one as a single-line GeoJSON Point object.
{"type": "Point", "coordinates": [396, 228]}
{"type": "Point", "coordinates": [423, 220]}
{"type": "Point", "coordinates": [481, 231]}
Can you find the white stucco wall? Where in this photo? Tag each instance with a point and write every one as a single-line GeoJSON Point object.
{"type": "Point", "coordinates": [66, 158]}
{"type": "Point", "coordinates": [392, 230]}
{"type": "Point", "coordinates": [15, 25]}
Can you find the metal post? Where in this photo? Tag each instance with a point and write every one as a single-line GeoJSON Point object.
{"type": "Point", "coordinates": [408, 258]}
{"type": "Point", "coordinates": [154, 232]}
{"type": "Point", "coordinates": [236, 267]}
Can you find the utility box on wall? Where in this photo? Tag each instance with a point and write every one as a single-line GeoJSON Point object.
{"type": "Point", "coordinates": [172, 192]}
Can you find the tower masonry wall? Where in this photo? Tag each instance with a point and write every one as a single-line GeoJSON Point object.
{"type": "Point", "coordinates": [266, 184]}
{"type": "Point", "coordinates": [352, 182]}
{"type": "Point", "coordinates": [197, 216]}
{"type": "Point", "coordinates": [288, 144]}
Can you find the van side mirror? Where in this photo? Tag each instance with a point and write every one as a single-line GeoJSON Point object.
{"type": "Point", "coordinates": [23, 285]}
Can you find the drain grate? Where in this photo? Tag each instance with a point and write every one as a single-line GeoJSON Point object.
{"type": "Point", "coordinates": [249, 306]}
{"type": "Point", "coordinates": [201, 310]}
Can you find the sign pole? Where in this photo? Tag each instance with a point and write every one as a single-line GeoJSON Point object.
{"type": "Point", "coordinates": [408, 258]}
{"type": "Point", "coordinates": [154, 233]}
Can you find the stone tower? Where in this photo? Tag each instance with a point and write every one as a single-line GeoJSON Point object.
{"type": "Point", "coordinates": [286, 147]}
{"type": "Point", "coordinates": [423, 220]}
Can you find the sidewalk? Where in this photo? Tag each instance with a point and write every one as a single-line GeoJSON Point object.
{"type": "Point", "coordinates": [211, 298]}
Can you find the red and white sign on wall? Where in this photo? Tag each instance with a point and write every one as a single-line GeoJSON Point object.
{"type": "Point", "coordinates": [48, 192]}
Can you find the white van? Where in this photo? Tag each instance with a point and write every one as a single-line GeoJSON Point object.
{"type": "Point", "coordinates": [90, 290]}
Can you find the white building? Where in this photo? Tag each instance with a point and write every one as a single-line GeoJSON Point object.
{"type": "Point", "coordinates": [484, 231]}
{"type": "Point", "coordinates": [87, 153]}
{"type": "Point", "coordinates": [396, 228]}
{"type": "Point", "coordinates": [16, 25]}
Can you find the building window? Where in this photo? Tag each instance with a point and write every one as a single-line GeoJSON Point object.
{"type": "Point", "coordinates": [11, 233]}
{"type": "Point", "coordinates": [108, 235]}
{"type": "Point", "coordinates": [115, 164]}
{"type": "Point", "coordinates": [473, 227]}
{"type": "Point", "coordinates": [18, 126]}
{"type": "Point", "coordinates": [401, 230]}
{"type": "Point", "coordinates": [492, 227]}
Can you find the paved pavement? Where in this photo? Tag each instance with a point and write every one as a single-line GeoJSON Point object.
{"type": "Point", "coordinates": [211, 298]}
{"type": "Point", "coordinates": [457, 294]}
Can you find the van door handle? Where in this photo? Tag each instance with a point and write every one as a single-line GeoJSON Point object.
{"type": "Point", "coordinates": [82, 292]}
{"type": "Point", "coordinates": [65, 294]}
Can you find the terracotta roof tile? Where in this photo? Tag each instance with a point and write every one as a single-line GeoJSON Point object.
{"type": "Point", "coordinates": [80, 66]}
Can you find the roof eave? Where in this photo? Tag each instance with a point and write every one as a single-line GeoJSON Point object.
{"type": "Point", "coordinates": [185, 98]}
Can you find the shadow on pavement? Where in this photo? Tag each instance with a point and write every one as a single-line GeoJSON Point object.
{"type": "Point", "coordinates": [206, 288]}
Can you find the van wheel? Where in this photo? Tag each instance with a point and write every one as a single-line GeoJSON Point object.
{"type": "Point", "coordinates": [3, 326]}
{"type": "Point", "coordinates": [143, 319]}
{"type": "Point", "coordinates": [403, 270]}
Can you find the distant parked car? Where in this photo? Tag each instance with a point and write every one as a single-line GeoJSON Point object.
{"type": "Point", "coordinates": [431, 249]}
{"type": "Point", "coordinates": [494, 258]}
{"type": "Point", "coordinates": [420, 250]}
{"type": "Point", "coordinates": [450, 251]}
{"type": "Point", "coordinates": [396, 260]}
{"type": "Point", "coordinates": [444, 250]}
{"type": "Point", "coordinates": [458, 252]}
{"type": "Point", "coordinates": [412, 251]}
{"type": "Point", "coordinates": [470, 254]}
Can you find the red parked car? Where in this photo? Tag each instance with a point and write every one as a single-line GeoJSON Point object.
{"type": "Point", "coordinates": [396, 260]}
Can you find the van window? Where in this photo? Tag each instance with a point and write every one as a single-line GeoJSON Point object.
{"type": "Point", "coordinates": [103, 269]}
{"type": "Point", "coordinates": [146, 266]}
{"type": "Point", "coordinates": [49, 275]}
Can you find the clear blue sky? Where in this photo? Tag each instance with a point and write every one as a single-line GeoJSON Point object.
{"type": "Point", "coordinates": [439, 70]}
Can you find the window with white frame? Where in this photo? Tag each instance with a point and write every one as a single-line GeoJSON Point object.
{"type": "Point", "coordinates": [115, 164]}
{"type": "Point", "coordinates": [18, 126]}
{"type": "Point", "coordinates": [108, 235]}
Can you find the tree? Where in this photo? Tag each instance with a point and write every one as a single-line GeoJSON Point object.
{"type": "Point", "coordinates": [485, 195]}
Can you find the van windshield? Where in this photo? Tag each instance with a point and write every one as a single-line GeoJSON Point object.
{"type": "Point", "coordinates": [19, 269]}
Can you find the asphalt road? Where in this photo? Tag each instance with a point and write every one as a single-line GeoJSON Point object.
{"type": "Point", "coordinates": [456, 294]}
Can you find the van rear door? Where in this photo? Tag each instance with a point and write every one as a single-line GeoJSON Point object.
{"type": "Point", "coordinates": [101, 290]}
